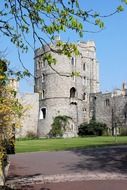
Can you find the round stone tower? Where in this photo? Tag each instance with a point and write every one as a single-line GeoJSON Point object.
{"type": "Point", "coordinates": [60, 92]}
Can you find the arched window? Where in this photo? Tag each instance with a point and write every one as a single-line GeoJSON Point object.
{"type": "Point", "coordinates": [84, 96]}
{"type": "Point", "coordinates": [43, 113]}
{"type": "Point", "coordinates": [72, 92]}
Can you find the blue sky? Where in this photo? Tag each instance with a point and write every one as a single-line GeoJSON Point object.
{"type": "Point", "coordinates": [111, 46]}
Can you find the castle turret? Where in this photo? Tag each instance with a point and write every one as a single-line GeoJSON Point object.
{"type": "Point", "coordinates": [62, 93]}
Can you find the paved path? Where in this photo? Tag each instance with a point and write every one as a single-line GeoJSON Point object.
{"type": "Point", "coordinates": [63, 166]}
{"type": "Point", "coordinates": [82, 185]}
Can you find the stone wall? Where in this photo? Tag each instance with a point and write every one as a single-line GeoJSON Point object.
{"type": "Point", "coordinates": [109, 109]}
{"type": "Point", "coordinates": [54, 86]}
{"type": "Point", "coordinates": [30, 119]}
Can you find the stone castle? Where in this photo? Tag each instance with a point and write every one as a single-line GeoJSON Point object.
{"type": "Point", "coordinates": [58, 92]}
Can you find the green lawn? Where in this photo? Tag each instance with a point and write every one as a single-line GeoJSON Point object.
{"type": "Point", "coordinates": [66, 144]}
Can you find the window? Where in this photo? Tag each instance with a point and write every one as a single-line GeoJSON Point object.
{"type": "Point", "coordinates": [84, 109]}
{"type": "Point", "coordinates": [84, 96]}
{"type": "Point", "coordinates": [39, 64]}
{"type": "Point", "coordinates": [107, 102]}
{"type": "Point", "coordinates": [43, 94]}
{"type": "Point", "coordinates": [72, 92]}
{"type": "Point", "coordinates": [125, 115]}
{"type": "Point", "coordinates": [84, 66]}
{"type": "Point", "coordinates": [43, 77]}
{"type": "Point", "coordinates": [42, 113]}
{"type": "Point", "coordinates": [73, 61]}
{"type": "Point", "coordinates": [84, 81]}
{"type": "Point", "coordinates": [44, 63]}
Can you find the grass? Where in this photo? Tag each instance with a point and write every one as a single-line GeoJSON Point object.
{"type": "Point", "coordinates": [66, 144]}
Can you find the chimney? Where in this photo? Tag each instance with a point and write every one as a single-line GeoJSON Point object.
{"type": "Point", "coordinates": [124, 89]}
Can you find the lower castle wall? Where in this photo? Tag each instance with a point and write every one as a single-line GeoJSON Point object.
{"type": "Point", "coordinates": [109, 109]}
{"type": "Point", "coordinates": [30, 120]}
{"type": "Point", "coordinates": [57, 107]}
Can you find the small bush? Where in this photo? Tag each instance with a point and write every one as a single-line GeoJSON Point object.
{"type": "Point", "coordinates": [59, 126]}
{"type": "Point", "coordinates": [123, 131]}
{"type": "Point", "coordinates": [92, 128]}
{"type": "Point", "coordinates": [31, 135]}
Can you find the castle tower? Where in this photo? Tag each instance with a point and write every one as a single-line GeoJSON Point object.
{"type": "Point", "coordinates": [63, 94]}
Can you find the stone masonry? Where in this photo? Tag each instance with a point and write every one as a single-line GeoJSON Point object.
{"type": "Point", "coordinates": [110, 108]}
{"type": "Point", "coordinates": [29, 123]}
{"type": "Point", "coordinates": [58, 92]}
{"type": "Point", "coordinates": [63, 94]}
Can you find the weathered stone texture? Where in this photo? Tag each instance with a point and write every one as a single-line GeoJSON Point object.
{"type": "Point", "coordinates": [54, 86]}
{"type": "Point", "coordinates": [30, 119]}
{"type": "Point", "coordinates": [109, 109]}
{"type": "Point", "coordinates": [53, 95]}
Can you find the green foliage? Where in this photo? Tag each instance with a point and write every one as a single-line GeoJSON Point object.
{"type": "Point", "coordinates": [99, 23]}
{"type": "Point", "coordinates": [123, 131]}
{"type": "Point", "coordinates": [120, 8]}
{"type": "Point", "coordinates": [58, 126]}
{"type": "Point", "coordinates": [125, 1]}
{"type": "Point", "coordinates": [10, 113]}
{"type": "Point", "coordinates": [92, 128]}
{"type": "Point", "coordinates": [31, 135]}
{"type": "Point", "coordinates": [42, 19]}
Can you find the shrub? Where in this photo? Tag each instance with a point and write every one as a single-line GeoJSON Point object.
{"type": "Point", "coordinates": [31, 135]}
{"type": "Point", "coordinates": [59, 126]}
{"type": "Point", "coordinates": [123, 131]}
{"type": "Point", "coordinates": [92, 128]}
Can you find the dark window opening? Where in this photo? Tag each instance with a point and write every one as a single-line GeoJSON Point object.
{"type": "Point", "coordinates": [125, 115]}
{"type": "Point", "coordinates": [73, 103]}
{"type": "Point", "coordinates": [73, 61]}
{"type": "Point", "coordinates": [84, 96]}
{"type": "Point", "coordinates": [72, 92]}
{"type": "Point", "coordinates": [84, 67]}
{"type": "Point", "coordinates": [43, 113]}
{"type": "Point", "coordinates": [43, 78]}
{"type": "Point", "coordinates": [107, 102]}
{"type": "Point", "coordinates": [43, 94]}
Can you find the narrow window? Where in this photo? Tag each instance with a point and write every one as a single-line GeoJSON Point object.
{"type": "Point", "coordinates": [84, 81]}
{"type": "Point", "coordinates": [44, 63]}
{"type": "Point", "coordinates": [107, 102]}
{"type": "Point", "coordinates": [72, 92]}
{"type": "Point", "coordinates": [84, 96]}
{"type": "Point", "coordinates": [39, 64]}
{"type": "Point", "coordinates": [73, 61]}
{"type": "Point", "coordinates": [125, 115]}
{"type": "Point", "coordinates": [43, 94]}
{"type": "Point", "coordinates": [84, 66]}
{"type": "Point", "coordinates": [42, 113]}
{"type": "Point", "coordinates": [43, 78]}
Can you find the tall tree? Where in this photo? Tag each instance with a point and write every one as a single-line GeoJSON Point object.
{"type": "Point", "coordinates": [10, 113]}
